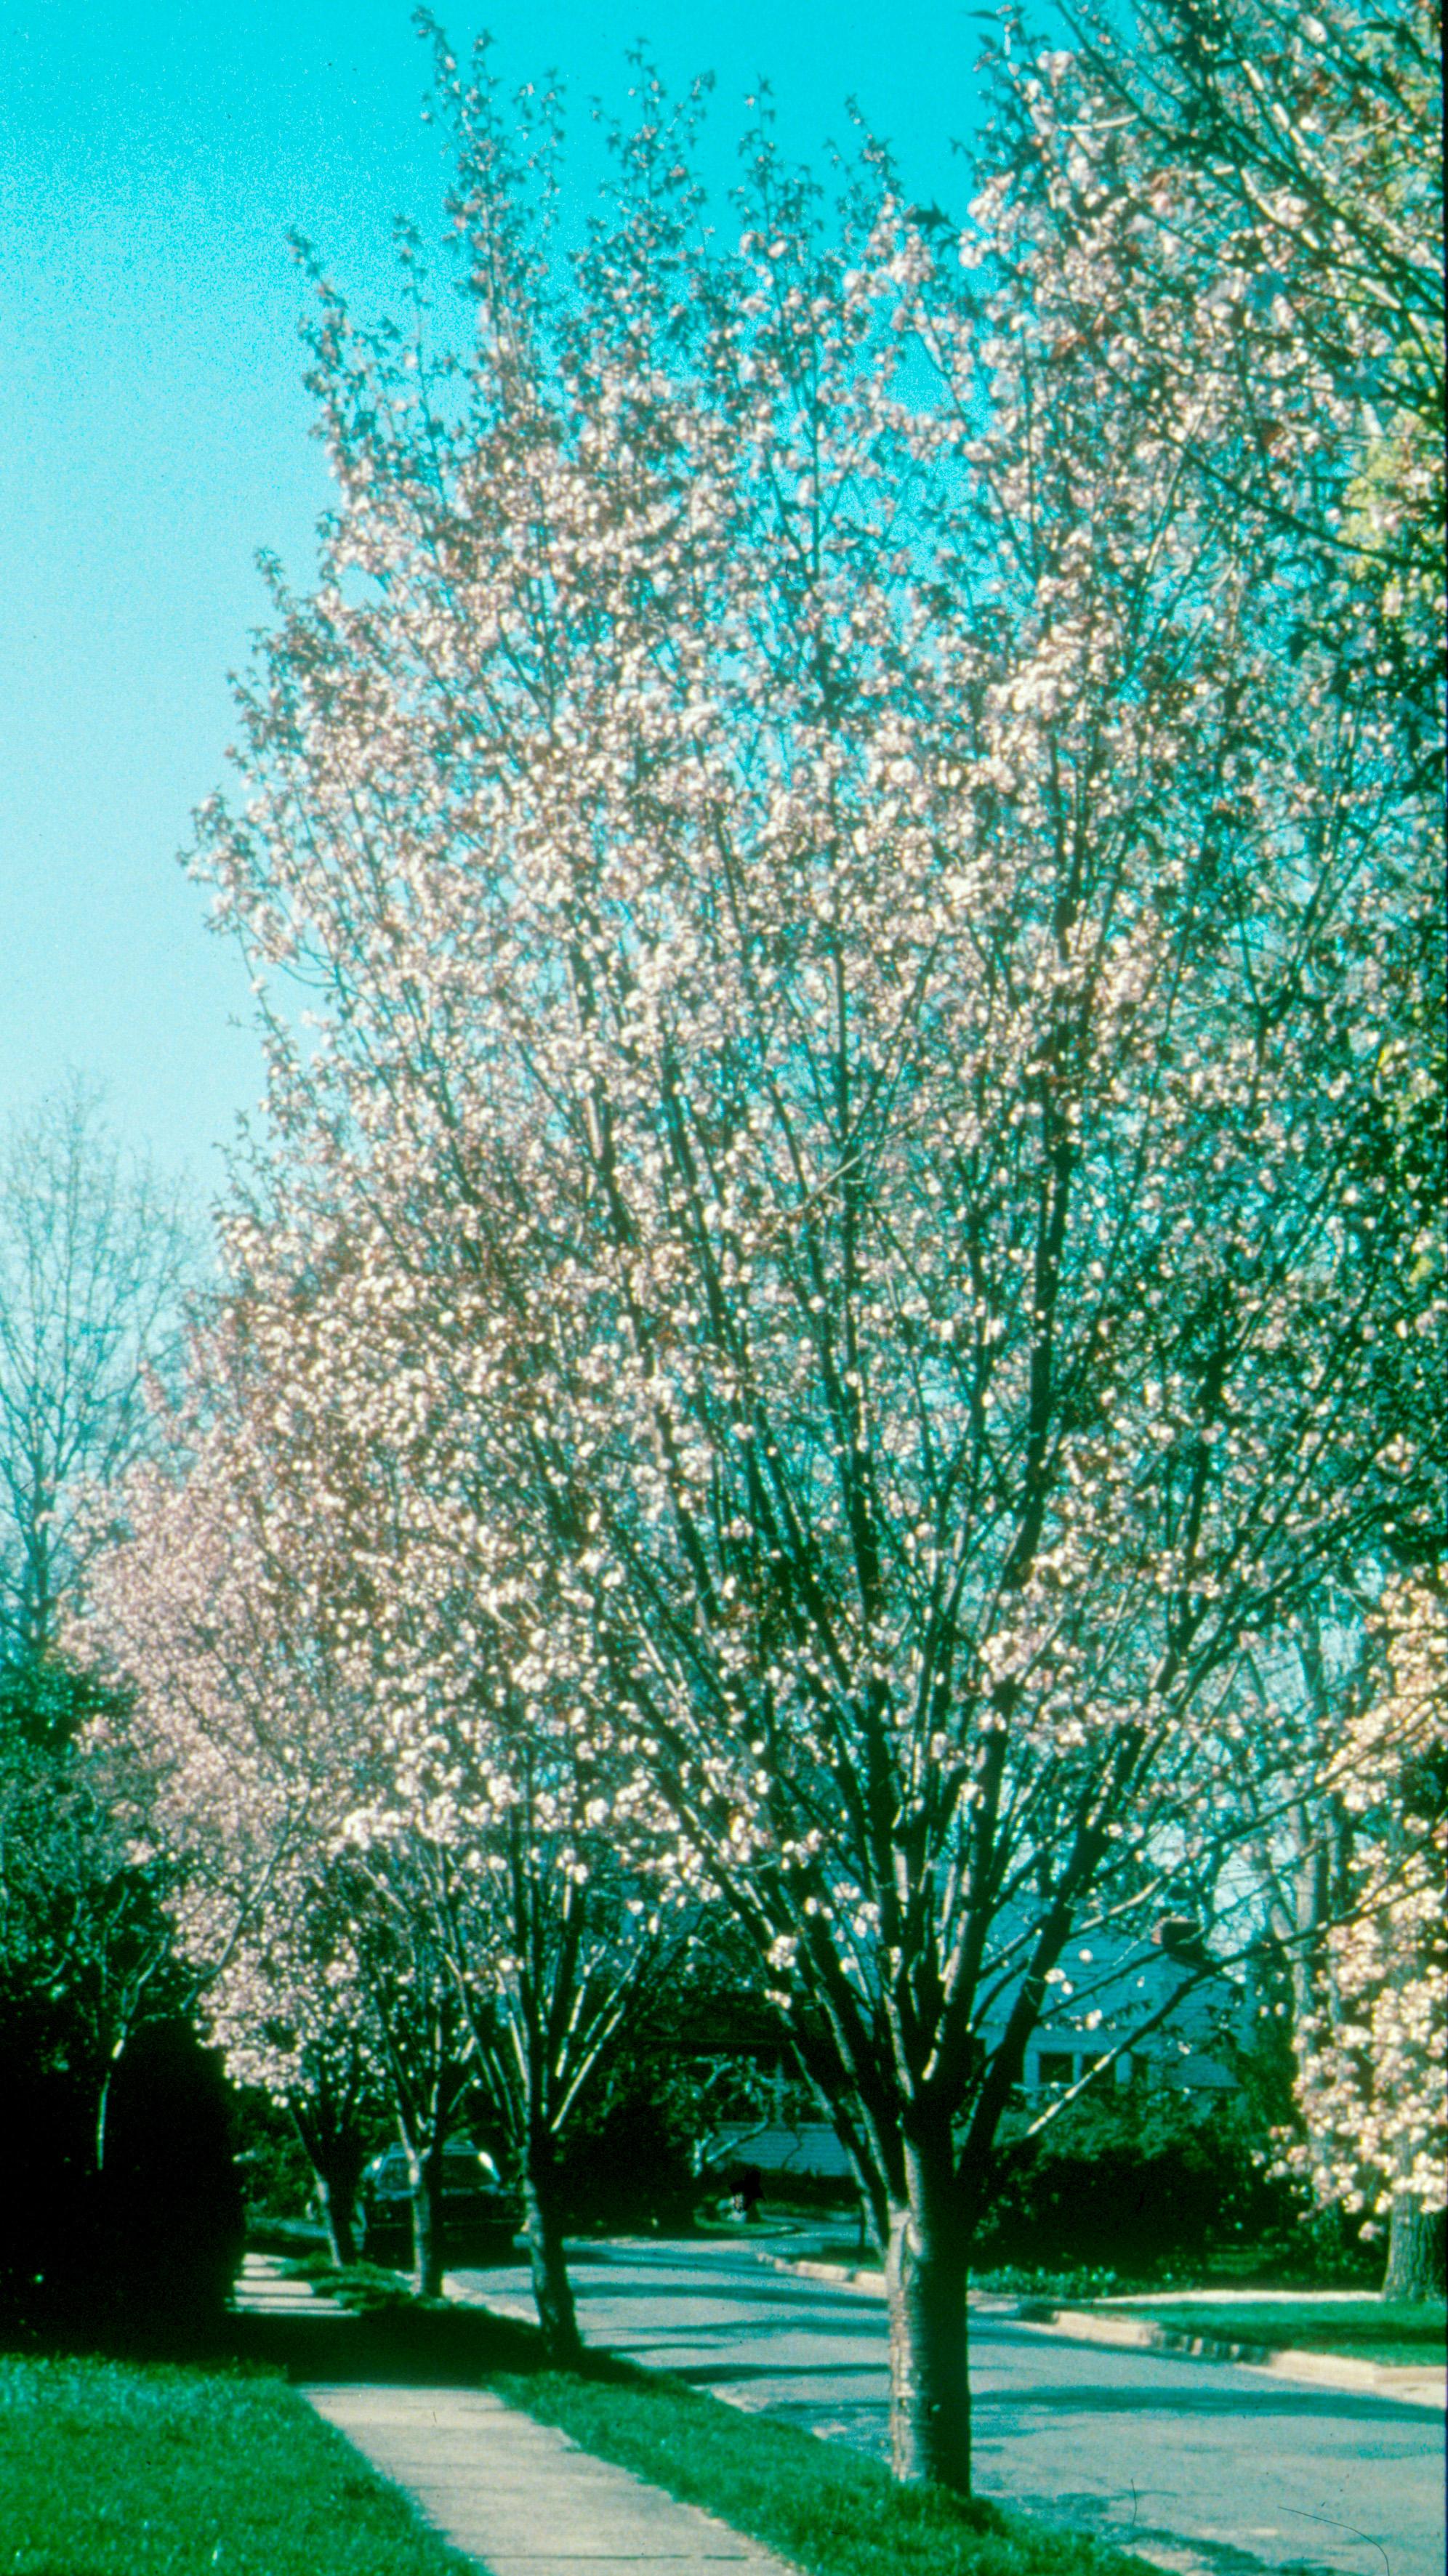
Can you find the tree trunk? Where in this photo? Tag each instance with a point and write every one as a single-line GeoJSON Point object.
{"type": "Point", "coordinates": [926, 2266]}
{"type": "Point", "coordinates": [333, 2148]}
{"type": "Point", "coordinates": [338, 2176]}
{"type": "Point", "coordinates": [428, 2255]}
{"type": "Point", "coordinates": [1415, 2251]}
{"type": "Point", "coordinates": [552, 2289]}
{"type": "Point", "coordinates": [103, 2109]}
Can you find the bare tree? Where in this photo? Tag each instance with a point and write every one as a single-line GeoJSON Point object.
{"type": "Point", "coordinates": [94, 1249]}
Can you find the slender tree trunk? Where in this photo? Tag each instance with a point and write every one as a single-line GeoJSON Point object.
{"type": "Point", "coordinates": [926, 2267]}
{"type": "Point", "coordinates": [552, 2289]}
{"type": "Point", "coordinates": [103, 2109]}
{"type": "Point", "coordinates": [339, 2172]}
{"type": "Point", "coordinates": [332, 2146]}
{"type": "Point", "coordinates": [1415, 2251]}
{"type": "Point", "coordinates": [429, 2259]}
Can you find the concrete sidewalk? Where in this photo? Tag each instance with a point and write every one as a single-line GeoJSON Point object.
{"type": "Point", "coordinates": [519, 2498]}
{"type": "Point", "coordinates": [265, 2289]}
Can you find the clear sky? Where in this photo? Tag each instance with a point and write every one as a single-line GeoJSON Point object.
{"type": "Point", "coordinates": [154, 155]}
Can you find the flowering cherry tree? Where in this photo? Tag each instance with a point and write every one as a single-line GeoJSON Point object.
{"type": "Point", "coordinates": [401, 1870]}
{"type": "Point", "coordinates": [289, 2008]}
{"type": "Point", "coordinates": [842, 924]}
{"type": "Point", "coordinates": [1371, 2083]}
{"type": "Point", "coordinates": [1293, 180]}
{"type": "Point", "coordinates": [531, 1841]}
{"type": "Point", "coordinates": [236, 1728]}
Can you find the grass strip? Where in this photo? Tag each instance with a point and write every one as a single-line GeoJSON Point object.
{"type": "Point", "coordinates": [1366, 2329]}
{"type": "Point", "coordinates": [111, 2468]}
{"type": "Point", "coordinates": [825, 2508]}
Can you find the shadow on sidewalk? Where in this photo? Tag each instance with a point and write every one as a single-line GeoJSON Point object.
{"type": "Point", "coordinates": [400, 2345]}
{"type": "Point", "coordinates": [415, 2347]}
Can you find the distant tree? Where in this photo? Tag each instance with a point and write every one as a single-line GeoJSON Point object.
{"type": "Point", "coordinates": [424, 2039]}
{"type": "Point", "coordinates": [85, 1948]}
{"type": "Point", "coordinates": [94, 1254]}
{"type": "Point", "coordinates": [94, 1257]}
{"type": "Point", "coordinates": [88, 1971]}
{"type": "Point", "coordinates": [384, 1820]}
{"type": "Point", "coordinates": [286, 2005]}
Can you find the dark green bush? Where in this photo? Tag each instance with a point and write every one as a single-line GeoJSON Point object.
{"type": "Point", "coordinates": [1142, 2183]}
{"type": "Point", "coordinates": [631, 2164]}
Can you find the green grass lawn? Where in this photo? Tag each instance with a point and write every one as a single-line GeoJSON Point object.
{"type": "Point", "coordinates": [1365, 2329]}
{"type": "Point", "coordinates": [124, 2469]}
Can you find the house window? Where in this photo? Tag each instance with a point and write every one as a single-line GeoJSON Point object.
{"type": "Point", "coordinates": [1055, 2066]}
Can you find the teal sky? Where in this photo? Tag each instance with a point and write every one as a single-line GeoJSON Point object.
{"type": "Point", "coordinates": [154, 431]}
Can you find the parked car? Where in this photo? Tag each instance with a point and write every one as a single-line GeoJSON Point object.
{"type": "Point", "coordinates": [480, 2215]}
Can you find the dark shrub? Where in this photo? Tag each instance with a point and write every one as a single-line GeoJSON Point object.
{"type": "Point", "coordinates": [632, 2164]}
{"type": "Point", "coordinates": [170, 2203]}
{"type": "Point", "coordinates": [145, 2250]}
{"type": "Point", "coordinates": [1141, 2183]}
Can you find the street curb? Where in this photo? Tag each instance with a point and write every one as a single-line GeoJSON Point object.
{"type": "Point", "coordinates": [860, 2276]}
{"type": "Point", "coordinates": [1410, 2385]}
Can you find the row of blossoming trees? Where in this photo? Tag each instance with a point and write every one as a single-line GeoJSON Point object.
{"type": "Point", "coordinates": [115, 2168]}
{"type": "Point", "coordinates": [846, 1252]}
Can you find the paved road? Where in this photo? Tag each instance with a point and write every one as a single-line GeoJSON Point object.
{"type": "Point", "coordinates": [1208, 2469]}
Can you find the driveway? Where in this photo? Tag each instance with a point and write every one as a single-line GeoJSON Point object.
{"type": "Point", "coordinates": [1204, 2467]}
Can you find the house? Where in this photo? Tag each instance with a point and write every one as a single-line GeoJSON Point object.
{"type": "Point", "coordinates": [1149, 2008]}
